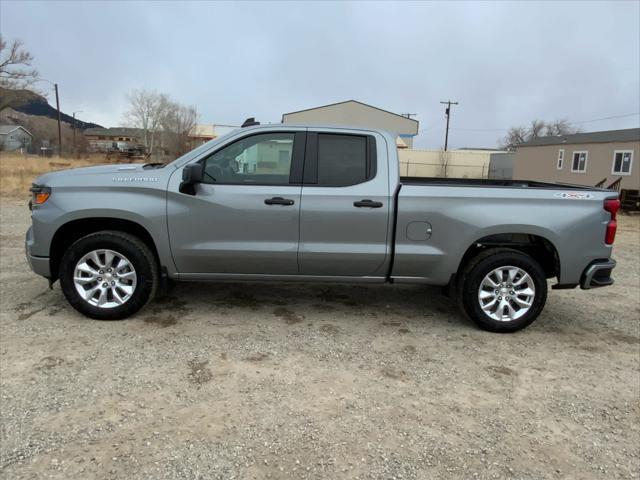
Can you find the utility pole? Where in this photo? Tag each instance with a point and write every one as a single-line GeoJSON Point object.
{"type": "Point", "coordinates": [74, 130]}
{"type": "Point", "coordinates": [447, 111]}
{"type": "Point", "coordinates": [55, 85]}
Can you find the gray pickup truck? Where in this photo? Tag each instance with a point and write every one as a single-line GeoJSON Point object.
{"type": "Point", "coordinates": [315, 204]}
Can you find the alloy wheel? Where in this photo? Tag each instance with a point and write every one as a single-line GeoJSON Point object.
{"type": "Point", "coordinates": [105, 278]}
{"type": "Point", "coordinates": [506, 293]}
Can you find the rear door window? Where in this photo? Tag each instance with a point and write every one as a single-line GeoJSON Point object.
{"type": "Point", "coordinates": [339, 160]}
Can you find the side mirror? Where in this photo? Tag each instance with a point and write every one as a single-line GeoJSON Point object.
{"type": "Point", "coordinates": [192, 174]}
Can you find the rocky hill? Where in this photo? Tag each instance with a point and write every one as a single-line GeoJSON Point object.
{"type": "Point", "coordinates": [35, 105]}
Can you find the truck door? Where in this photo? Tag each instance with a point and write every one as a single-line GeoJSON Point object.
{"type": "Point", "coordinates": [345, 206]}
{"type": "Point", "coordinates": [244, 219]}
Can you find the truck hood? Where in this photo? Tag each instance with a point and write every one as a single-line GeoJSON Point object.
{"type": "Point", "coordinates": [133, 172]}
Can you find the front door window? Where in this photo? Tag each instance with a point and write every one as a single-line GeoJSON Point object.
{"type": "Point", "coordinates": [263, 159]}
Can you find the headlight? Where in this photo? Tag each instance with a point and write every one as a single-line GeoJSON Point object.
{"type": "Point", "coordinates": [39, 194]}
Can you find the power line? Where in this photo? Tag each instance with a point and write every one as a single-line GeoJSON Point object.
{"type": "Point", "coordinates": [606, 118]}
{"type": "Point", "coordinates": [570, 123]}
{"type": "Point", "coordinates": [481, 129]}
{"type": "Point", "coordinates": [431, 128]}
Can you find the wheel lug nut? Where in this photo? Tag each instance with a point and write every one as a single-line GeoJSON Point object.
{"type": "Point", "coordinates": [101, 272]}
{"type": "Point", "coordinates": [512, 293]}
{"type": "Point", "coordinates": [499, 298]}
{"type": "Point", "coordinates": [99, 279]}
{"type": "Point", "coordinates": [105, 284]}
{"type": "Point", "coordinates": [108, 269]}
{"type": "Point", "coordinates": [113, 283]}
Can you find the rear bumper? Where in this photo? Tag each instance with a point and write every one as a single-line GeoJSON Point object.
{"type": "Point", "coordinates": [598, 274]}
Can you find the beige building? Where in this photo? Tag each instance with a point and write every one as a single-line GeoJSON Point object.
{"type": "Point", "coordinates": [203, 132]}
{"type": "Point", "coordinates": [450, 164]}
{"type": "Point", "coordinates": [594, 158]}
{"type": "Point", "coordinates": [359, 114]}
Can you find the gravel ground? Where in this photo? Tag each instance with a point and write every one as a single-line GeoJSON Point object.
{"type": "Point", "coordinates": [277, 381]}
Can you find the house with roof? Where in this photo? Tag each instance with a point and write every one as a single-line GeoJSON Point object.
{"type": "Point", "coordinates": [607, 159]}
{"type": "Point", "coordinates": [116, 138]}
{"type": "Point", "coordinates": [15, 137]}
{"type": "Point", "coordinates": [590, 158]}
{"type": "Point", "coordinates": [353, 112]}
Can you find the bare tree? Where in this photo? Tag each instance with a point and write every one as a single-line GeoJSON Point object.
{"type": "Point", "coordinates": [15, 76]}
{"type": "Point", "coordinates": [560, 126]}
{"type": "Point", "coordinates": [13, 62]}
{"type": "Point", "coordinates": [178, 123]}
{"type": "Point", "coordinates": [515, 136]}
{"type": "Point", "coordinates": [538, 128]}
{"type": "Point", "coordinates": [147, 111]}
{"type": "Point", "coordinates": [165, 124]}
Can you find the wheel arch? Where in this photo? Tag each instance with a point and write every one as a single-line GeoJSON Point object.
{"type": "Point", "coordinates": [540, 248]}
{"type": "Point", "coordinates": [74, 230]}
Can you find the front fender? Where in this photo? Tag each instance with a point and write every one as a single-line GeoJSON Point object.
{"type": "Point", "coordinates": [143, 206]}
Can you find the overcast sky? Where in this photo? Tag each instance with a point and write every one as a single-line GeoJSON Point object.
{"type": "Point", "coordinates": [505, 62]}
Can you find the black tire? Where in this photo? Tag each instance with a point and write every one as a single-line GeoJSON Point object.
{"type": "Point", "coordinates": [474, 273]}
{"type": "Point", "coordinates": [134, 249]}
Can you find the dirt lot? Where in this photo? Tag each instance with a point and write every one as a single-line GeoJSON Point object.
{"type": "Point", "coordinates": [263, 381]}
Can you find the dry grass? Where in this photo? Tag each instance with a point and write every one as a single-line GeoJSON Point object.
{"type": "Point", "coordinates": [17, 172]}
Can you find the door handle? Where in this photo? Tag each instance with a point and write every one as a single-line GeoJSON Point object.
{"type": "Point", "coordinates": [279, 201]}
{"type": "Point", "coordinates": [367, 204]}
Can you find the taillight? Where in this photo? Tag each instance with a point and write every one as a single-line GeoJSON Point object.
{"type": "Point", "coordinates": [39, 194]}
{"type": "Point", "coordinates": [611, 205]}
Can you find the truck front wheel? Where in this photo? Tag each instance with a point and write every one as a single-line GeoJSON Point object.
{"type": "Point", "coordinates": [108, 275]}
{"type": "Point", "coordinates": [502, 290]}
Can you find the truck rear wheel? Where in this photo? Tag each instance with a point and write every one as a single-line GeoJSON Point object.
{"type": "Point", "coordinates": [108, 275]}
{"type": "Point", "coordinates": [502, 290]}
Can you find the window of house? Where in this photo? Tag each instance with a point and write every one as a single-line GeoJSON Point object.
{"type": "Point", "coordinates": [263, 159]}
{"type": "Point", "coordinates": [622, 160]}
{"type": "Point", "coordinates": [560, 159]}
{"type": "Point", "coordinates": [579, 163]}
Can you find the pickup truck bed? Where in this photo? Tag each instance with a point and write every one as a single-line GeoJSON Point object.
{"type": "Point", "coordinates": [481, 182]}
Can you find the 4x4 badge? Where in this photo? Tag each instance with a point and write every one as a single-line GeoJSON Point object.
{"type": "Point", "coordinates": [573, 195]}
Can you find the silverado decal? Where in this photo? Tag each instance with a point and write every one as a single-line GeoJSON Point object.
{"type": "Point", "coordinates": [573, 195]}
{"type": "Point", "coordinates": [135, 179]}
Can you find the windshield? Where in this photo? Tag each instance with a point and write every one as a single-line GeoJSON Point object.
{"type": "Point", "coordinates": [201, 149]}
